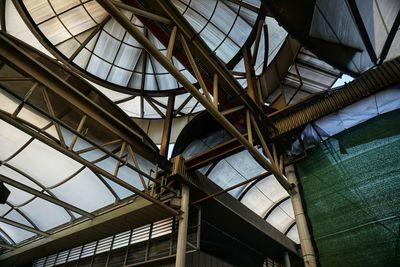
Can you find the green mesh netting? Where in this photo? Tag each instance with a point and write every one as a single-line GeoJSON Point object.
{"type": "Point", "coordinates": [351, 189]}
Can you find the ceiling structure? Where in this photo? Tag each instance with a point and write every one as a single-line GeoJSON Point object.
{"type": "Point", "coordinates": [159, 64]}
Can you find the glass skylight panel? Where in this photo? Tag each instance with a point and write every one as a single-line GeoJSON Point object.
{"type": "Point", "coordinates": [98, 67]}
{"type": "Point", "coordinates": [17, 217]}
{"type": "Point", "coordinates": [272, 188]}
{"type": "Point", "coordinates": [131, 177]}
{"type": "Point", "coordinates": [32, 116]}
{"type": "Point", "coordinates": [240, 31]}
{"type": "Point", "coordinates": [113, 28]}
{"type": "Point", "coordinates": [86, 191]}
{"type": "Point", "coordinates": [106, 47]}
{"type": "Point", "coordinates": [40, 10]}
{"type": "Point", "coordinates": [122, 192]}
{"type": "Point", "coordinates": [226, 49]}
{"type": "Point", "coordinates": [119, 76]}
{"type": "Point", "coordinates": [279, 219]}
{"type": "Point", "coordinates": [61, 5]}
{"type": "Point", "coordinates": [212, 36]}
{"type": "Point", "coordinates": [195, 19]}
{"type": "Point", "coordinates": [13, 174]}
{"type": "Point", "coordinates": [16, 234]}
{"type": "Point", "coordinates": [4, 208]}
{"type": "Point", "coordinates": [225, 17]}
{"type": "Point", "coordinates": [257, 202]}
{"type": "Point", "coordinates": [68, 47]}
{"type": "Point", "coordinates": [293, 234]}
{"type": "Point", "coordinates": [44, 214]}
{"type": "Point", "coordinates": [54, 31]}
{"type": "Point", "coordinates": [95, 11]}
{"type": "Point", "coordinates": [77, 20]}
{"type": "Point", "coordinates": [18, 197]}
{"type": "Point", "coordinates": [225, 175]}
{"type": "Point", "coordinates": [267, 192]}
{"type": "Point", "coordinates": [8, 102]}
{"type": "Point", "coordinates": [167, 82]}
{"type": "Point", "coordinates": [11, 139]}
{"type": "Point", "coordinates": [131, 107]}
{"type": "Point", "coordinates": [47, 161]}
{"type": "Point", "coordinates": [128, 56]}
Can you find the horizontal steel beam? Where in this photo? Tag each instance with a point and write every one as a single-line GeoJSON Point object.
{"type": "Point", "coordinates": [214, 154]}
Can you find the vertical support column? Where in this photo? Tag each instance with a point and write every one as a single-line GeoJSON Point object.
{"type": "Point", "coordinates": [182, 228]}
{"type": "Point", "coordinates": [301, 222]}
{"type": "Point", "coordinates": [166, 135]}
{"type": "Point", "coordinates": [286, 259]}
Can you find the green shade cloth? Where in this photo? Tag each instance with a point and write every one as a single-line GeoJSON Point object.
{"type": "Point", "coordinates": [351, 190]}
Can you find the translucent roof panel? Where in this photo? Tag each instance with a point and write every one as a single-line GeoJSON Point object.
{"type": "Point", "coordinates": [275, 35]}
{"type": "Point", "coordinates": [272, 33]}
{"type": "Point", "coordinates": [265, 197]}
{"type": "Point", "coordinates": [44, 181]}
{"type": "Point", "coordinates": [223, 25]}
{"type": "Point", "coordinates": [85, 35]}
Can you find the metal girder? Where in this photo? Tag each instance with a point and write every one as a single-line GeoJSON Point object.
{"type": "Point", "coordinates": [46, 80]}
{"type": "Point", "coordinates": [209, 60]}
{"type": "Point", "coordinates": [151, 49]}
{"type": "Point", "coordinates": [141, 12]}
{"type": "Point", "coordinates": [96, 169]}
{"type": "Point", "coordinates": [362, 30]}
{"type": "Point", "coordinates": [136, 213]}
{"type": "Point", "coordinates": [214, 154]}
{"type": "Point", "coordinates": [22, 61]}
{"type": "Point", "coordinates": [166, 134]}
{"type": "Point", "coordinates": [390, 38]}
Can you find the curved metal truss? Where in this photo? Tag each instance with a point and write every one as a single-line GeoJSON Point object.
{"type": "Point", "coordinates": [68, 154]}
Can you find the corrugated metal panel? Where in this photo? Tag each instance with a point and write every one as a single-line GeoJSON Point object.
{"type": "Point", "coordinates": [314, 108]}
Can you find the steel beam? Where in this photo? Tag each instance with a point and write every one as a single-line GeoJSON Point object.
{"type": "Point", "coordinates": [165, 139]}
{"type": "Point", "coordinates": [141, 12]}
{"type": "Point", "coordinates": [136, 213]}
{"type": "Point", "coordinates": [16, 57]}
{"type": "Point", "coordinates": [390, 38]}
{"type": "Point", "coordinates": [209, 61]}
{"type": "Point", "coordinates": [214, 154]}
{"type": "Point", "coordinates": [151, 49]}
{"type": "Point", "coordinates": [362, 30]}
{"type": "Point", "coordinates": [18, 124]}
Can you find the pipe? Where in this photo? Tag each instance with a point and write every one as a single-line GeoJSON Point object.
{"type": "Point", "coordinates": [182, 228]}
{"type": "Point", "coordinates": [301, 222]}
